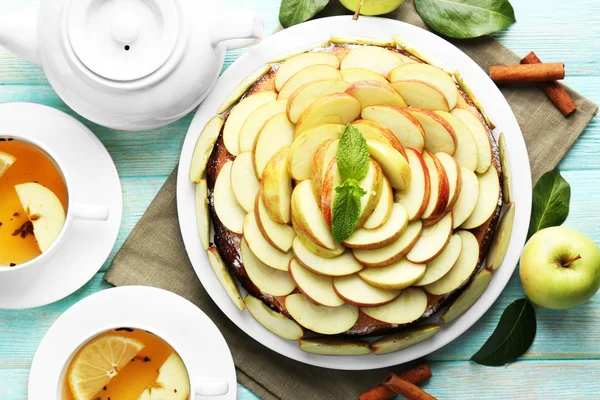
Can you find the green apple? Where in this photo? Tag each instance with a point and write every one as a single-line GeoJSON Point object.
{"type": "Point", "coordinates": [560, 268]}
{"type": "Point", "coordinates": [372, 7]}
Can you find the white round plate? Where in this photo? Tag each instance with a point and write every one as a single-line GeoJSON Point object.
{"type": "Point", "coordinates": [312, 33]}
{"type": "Point", "coordinates": [87, 244]}
{"type": "Point", "coordinates": [183, 325]}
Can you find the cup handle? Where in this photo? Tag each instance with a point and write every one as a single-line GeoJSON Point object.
{"type": "Point", "coordinates": [236, 29]}
{"type": "Point", "coordinates": [88, 212]}
{"type": "Point", "coordinates": [210, 387]}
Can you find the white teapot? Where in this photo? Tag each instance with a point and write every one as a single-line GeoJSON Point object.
{"type": "Point", "coordinates": [130, 64]}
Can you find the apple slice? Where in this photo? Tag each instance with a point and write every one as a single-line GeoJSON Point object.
{"type": "Point", "coordinates": [406, 128]}
{"type": "Point", "coordinates": [392, 162]}
{"type": "Point", "coordinates": [487, 201]}
{"type": "Point", "coordinates": [430, 74]}
{"type": "Point", "coordinates": [454, 177]}
{"type": "Point", "coordinates": [440, 187]}
{"type": "Point", "coordinates": [340, 265]}
{"type": "Point", "coordinates": [277, 133]}
{"type": "Point", "coordinates": [399, 275]}
{"type": "Point", "coordinates": [432, 242]}
{"type": "Point", "coordinates": [466, 153]}
{"type": "Point", "coordinates": [361, 40]}
{"type": "Point", "coordinates": [321, 319]}
{"type": "Point", "coordinates": [358, 292]}
{"type": "Point", "coordinates": [225, 278]}
{"type": "Point", "coordinates": [467, 89]}
{"type": "Point", "coordinates": [256, 122]}
{"type": "Point", "coordinates": [276, 187]}
{"type": "Point", "coordinates": [325, 153]}
{"type": "Point", "coordinates": [261, 248]}
{"type": "Point", "coordinates": [297, 63]}
{"type": "Point", "coordinates": [439, 135]}
{"type": "Point", "coordinates": [480, 134]}
{"type": "Point", "coordinates": [316, 249]}
{"type": "Point", "coordinates": [415, 198]}
{"type": "Point", "coordinates": [246, 185]}
{"type": "Point", "coordinates": [268, 280]}
{"type": "Point", "coordinates": [202, 213]}
{"type": "Point", "coordinates": [228, 210]}
{"type": "Point", "coordinates": [372, 130]}
{"type": "Point", "coordinates": [303, 97]}
{"type": "Point", "coordinates": [309, 74]}
{"type": "Point", "coordinates": [420, 54]}
{"type": "Point", "coordinates": [380, 237]}
{"type": "Point", "coordinates": [317, 288]}
{"type": "Point", "coordinates": [462, 269]}
{"type": "Point", "coordinates": [353, 75]}
{"type": "Point", "coordinates": [335, 108]}
{"type": "Point", "coordinates": [44, 210]}
{"type": "Point", "coordinates": [402, 340]}
{"type": "Point", "coordinates": [371, 184]}
{"type": "Point", "coordinates": [243, 87]}
{"type": "Point", "coordinates": [329, 346]}
{"type": "Point", "coordinates": [308, 218]}
{"type": "Point", "coordinates": [468, 297]}
{"type": "Point", "coordinates": [467, 199]}
{"type": "Point", "coordinates": [172, 382]}
{"type": "Point", "coordinates": [373, 58]}
{"type": "Point", "coordinates": [442, 264]}
{"type": "Point", "coordinates": [276, 322]}
{"type": "Point", "coordinates": [394, 251]}
{"type": "Point", "coordinates": [421, 94]}
{"type": "Point", "coordinates": [238, 117]}
{"type": "Point", "coordinates": [506, 171]}
{"type": "Point", "coordinates": [281, 236]}
{"type": "Point", "coordinates": [371, 93]}
{"type": "Point", "coordinates": [502, 239]}
{"type": "Point", "coordinates": [203, 149]}
{"type": "Point", "coordinates": [383, 210]}
{"type": "Point", "coordinates": [408, 307]}
{"type": "Point", "coordinates": [305, 146]}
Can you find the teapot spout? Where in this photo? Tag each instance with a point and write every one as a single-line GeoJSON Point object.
{"type": "Point", "coordinates": [236, 28]}
{"type": "Point", "coordinates": [18, 33]}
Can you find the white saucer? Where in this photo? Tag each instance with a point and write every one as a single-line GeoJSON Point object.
{"type": "Point", "coordinates": [191, 333]}
{"type": "Point", "coordinates": [95, 181]}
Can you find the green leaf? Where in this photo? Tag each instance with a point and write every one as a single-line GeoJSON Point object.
{"type": "Point", "coordinates": [346, 209]}
{"type": "Point", "coordinates": [551, 198]}
{"type": "Point", "coordinates": [464, 19]}
{"type": "Point", "coordinates": [353, 155]}
{"type": "Point", "coordinates": [513, 336]}
{"type": "Point", "coordinates": [293, 12]}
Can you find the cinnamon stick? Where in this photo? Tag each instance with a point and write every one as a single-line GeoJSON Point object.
{"type": "Point", "coordinates": [527, 73]}
{"type": "Point", "coordinates": [406, 389]}
{"type": "Point", "coordinates": [414, 375]}
{"type": "Point", "coordinates": [554, 90]}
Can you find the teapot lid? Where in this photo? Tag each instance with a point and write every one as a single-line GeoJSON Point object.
{"type": "Point", "coordinates": [123, 40]}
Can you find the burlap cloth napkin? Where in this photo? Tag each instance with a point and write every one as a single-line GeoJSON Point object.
{"type": "Point", "coordinates": [154, 254]}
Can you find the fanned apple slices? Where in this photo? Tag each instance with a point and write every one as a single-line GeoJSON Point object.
{"type": "Point", "coordinates": [432, 177]}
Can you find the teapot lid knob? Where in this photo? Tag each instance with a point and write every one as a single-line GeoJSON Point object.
{"type": "Point", "coordinates": [123, 40]}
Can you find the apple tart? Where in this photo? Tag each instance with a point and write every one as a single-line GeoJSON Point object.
{"type": "Point", "coordinates": [434, 187]}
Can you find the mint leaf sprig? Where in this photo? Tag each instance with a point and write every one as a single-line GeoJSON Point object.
{"type": "Point", "coordinates": [353, 160]}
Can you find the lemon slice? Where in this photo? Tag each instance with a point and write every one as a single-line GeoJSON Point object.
{"type": "Point", "coordinates": [6, 161]}
{"type": "Point", "coordinates": [98, 362]}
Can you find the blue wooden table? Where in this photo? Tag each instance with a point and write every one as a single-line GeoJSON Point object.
{"type": "Point", "coordinates": [564, 361]}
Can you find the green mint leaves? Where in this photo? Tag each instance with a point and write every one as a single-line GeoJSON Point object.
{"type": "Point", "coordinates": [353, 159]}
{"type": "Point", "coordinates": [353, 155]}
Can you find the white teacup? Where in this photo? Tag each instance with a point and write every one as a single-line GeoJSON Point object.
{"type": "Point", "coordinates": [75, 211]}
{"type": "Point", "coordinates": [199, 386]}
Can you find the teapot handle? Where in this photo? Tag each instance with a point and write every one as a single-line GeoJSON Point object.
{"type": "Point", "coordinates": [236, 29]}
